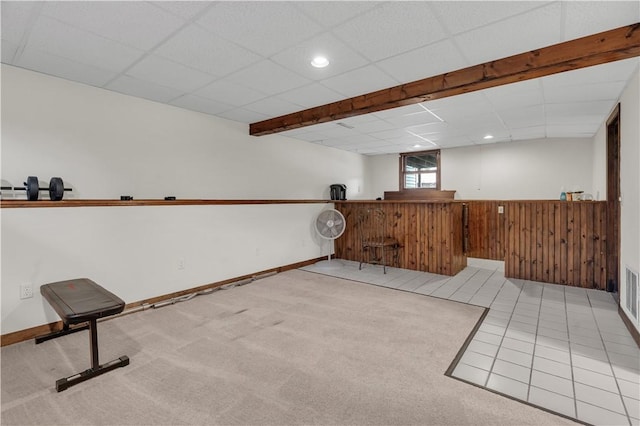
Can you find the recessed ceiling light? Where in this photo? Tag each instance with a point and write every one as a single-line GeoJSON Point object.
{"type": "Point", "coordinates": [320, 62]}
{"type": "Point", "coordinates": [417, 145]}
{"type": "Point", "coordinates": [488, 137]}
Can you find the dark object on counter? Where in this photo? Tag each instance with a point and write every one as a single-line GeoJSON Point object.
{"type": "Point", "coordinates": [170, 198]}
{"type": "Point", "coordinates": [338, 191]}
{"type": "Point", "coordinates": [126, 198]}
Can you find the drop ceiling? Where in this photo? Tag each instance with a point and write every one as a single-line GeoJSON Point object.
{"type": "Point", "coordinates": [250, 61]}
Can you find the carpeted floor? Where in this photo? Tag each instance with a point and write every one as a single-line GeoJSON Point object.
{"type": "Point", "coordinates": [294, 348]}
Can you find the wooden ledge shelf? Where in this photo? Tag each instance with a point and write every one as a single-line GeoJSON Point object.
{"type": "Point", "coordinates": [21, 204]}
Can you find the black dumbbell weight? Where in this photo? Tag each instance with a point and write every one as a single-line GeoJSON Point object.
{"type": "Point", "coordinates": [56, 189]}
{"type": "Point", "coordinates": [32, 187]}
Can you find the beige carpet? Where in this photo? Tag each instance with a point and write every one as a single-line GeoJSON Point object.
{"type": "Point", "coordinates": [294, 348]}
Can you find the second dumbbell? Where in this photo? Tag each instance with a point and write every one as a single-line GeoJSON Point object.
{"type": "Point", "coordinates": [32, 187]}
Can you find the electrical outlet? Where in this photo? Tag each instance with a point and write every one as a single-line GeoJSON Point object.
{"type": "Point", "coordinates": [26, 291]}
{"type": "Point", "coordinates": [500, 209]}
{"type": "Point", "coordinates": [180, 264]}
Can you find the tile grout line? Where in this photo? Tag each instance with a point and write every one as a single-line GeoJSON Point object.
{"type": "Point", "coordinates": [573, 380]}
{"type": "Point", "coordinates": [493, 363]}
{"type": "Point", "coordinates": [606, 352]}
{"type": "Point", "coordinates": [535, 342]}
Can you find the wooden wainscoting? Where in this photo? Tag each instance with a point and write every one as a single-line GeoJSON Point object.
{"type": "Point", "coordinates": [556, 242]}
{"type": "Point", "coordinates": [430, 232]}
{"type": "Point", "coordinates": [486, 230]}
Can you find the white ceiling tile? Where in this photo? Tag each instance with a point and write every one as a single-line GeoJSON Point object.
{"type": "Point", "coordinates": [532, 132]}
{"type": "Point", "coordinates": [523, 33]}
{"type": "Point", "coordinates": [389, 134]}
{"type": "Point", "coordinates": [243, 116]}
{"type": "Point", "coordinates": [584, 93]}
{"type": "Point", "coordinates": [143, 89]}
{"type": "Point", "coordinates": [196, 103]}
{"type": "Point", "coordinates": [167, 73]}
{"type": "Point", "coordinates": [522, 117]}
{"type": "Point", "coordinates": [612, 71]}
{"type": "Point", "coordinates": [330, 13]}
{"type": "Point", "coordinates": [569, 109]}
{"type": "Point", "coordinates": [263, 27]}
{"type": "Point", "coordinates": [56, 38]}
{"type": "Point", "coordinates": [341, 58]}
{"type": "Point", "coordinates": [570, 131]}
{"type": "Point", "coordinates": [399, 111]}
{"type": "Point", "coordinates": [357, 120]}
{"type": "Point", "coordinates": [515, 95]}
{"type": "Point", "coordinates": [230, 93]}
{"type": "Point", "coordinates": [64, 68]}
{"type": "Point", "coordinates": [135, 23]}
{"type": "Point", "coordinates": [272, 106]}
{"type": "Point", "coordinates": [584, 18]}
{"type": "Point", "coordinates": [460, 16]}
{"type": "Point", "coordinates": [371, 126]}
{"type": "Point", "coordinates": [431, 128]}
{"type": "Point", "coordinates": [455, 141]}
{"type": "Point", "coordinates": [589, 120]}
{"type": "Point", "coordinates": [456, 108]}
{"type": "Point", "coordinates": [204, 51]}
{"type": "Point", "coordinates": [414, 119]}
{"type": "Point", "coordinates": [360, 139]}
{"type": "Point", "coordinates": [412, 24]}
{"type": "Point", "coordinates": [360, 81]}
{"type": "Point", "coordinates": [268, 77]}
{"type": "Point", "coordinates": [428, 61]}
{"type": "Point", "coordinates": [15, 18]}
{"type": "Point", "coordinates": [184, 9]}
{"type": "Point", "coordinates": [311, 95]}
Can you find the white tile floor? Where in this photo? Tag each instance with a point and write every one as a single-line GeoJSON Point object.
{"type": "Point", "coordinates": [561, 348]}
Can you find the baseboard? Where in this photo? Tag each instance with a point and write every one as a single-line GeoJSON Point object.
{"type": "Point", "coordinates": [31, 333]}
{"type": "Point", "coordinates": [634, 331]}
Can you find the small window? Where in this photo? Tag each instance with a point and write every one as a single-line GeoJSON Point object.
{"type": "Point", "coordinates": [420, 170]}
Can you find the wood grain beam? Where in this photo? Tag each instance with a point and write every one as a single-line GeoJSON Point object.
{"type": "Point", "coordinates": [609, 46]}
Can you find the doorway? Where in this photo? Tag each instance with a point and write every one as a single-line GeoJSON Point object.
{"type": "Point", "coordinates": [613, 201]}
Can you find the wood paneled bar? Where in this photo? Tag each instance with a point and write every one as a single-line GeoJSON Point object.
{"type": "Point", "coordinates": [559, 242]}
{"type": "Point", "coordinates": [430, 233]}
{"type": "Point", "coordinates": [556, 242]}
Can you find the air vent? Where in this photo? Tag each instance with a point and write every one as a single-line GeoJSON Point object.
{"type": "Point", "coordinates": [632, 293]}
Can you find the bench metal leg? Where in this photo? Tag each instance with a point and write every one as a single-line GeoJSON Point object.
{"type": "Point", "coordinates": [65, 330]}
{"type": "Point", "coordinates": [96, 369]}
{"type": "Point", "coordinates": [63, 384]}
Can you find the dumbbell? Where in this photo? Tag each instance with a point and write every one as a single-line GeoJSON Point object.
{"type": "Point", "coordinates": [32, 186]}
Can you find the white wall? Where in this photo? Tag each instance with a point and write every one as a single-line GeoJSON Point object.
{"type": "Point", "coordinates": [629, 181]}
{"type": "Point", "coordinates": [536, 169]}
{"type": "Point", "coordinates": [382, 174]}
{"type": "Point", "coordinates": [104, 144]}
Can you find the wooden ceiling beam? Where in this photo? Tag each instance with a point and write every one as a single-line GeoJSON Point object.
{"type": "Point", "coordinates": [596, 49]}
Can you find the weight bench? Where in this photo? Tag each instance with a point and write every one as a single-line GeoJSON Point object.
{"type": "Point", "coordinates": [82, 301]}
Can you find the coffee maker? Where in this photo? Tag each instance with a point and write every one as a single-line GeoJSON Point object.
{"type": "Point", "coordinates": [338, 191]}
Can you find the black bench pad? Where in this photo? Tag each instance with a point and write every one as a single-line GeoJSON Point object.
{"type": "Point", "coordinates": [80, 300]}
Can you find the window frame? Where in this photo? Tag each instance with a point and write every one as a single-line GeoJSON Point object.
{"type": "Point", "coordinates": [403, 173]}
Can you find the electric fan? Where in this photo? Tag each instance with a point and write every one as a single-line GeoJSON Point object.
{"type": "Point", "coordinates": [330, 224]}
